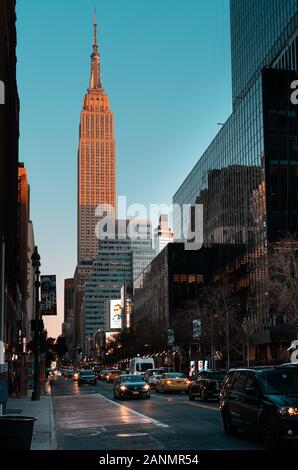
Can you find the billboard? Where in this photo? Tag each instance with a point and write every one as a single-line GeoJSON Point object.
{"type": "Point", "coordinates": [48, 304]}
{"type": "Point", "coordinates": [111, 337]}
{"type": "Point", "coordinates": [196, 329]}
{"type": "Point", "coordinates": [115, 314]}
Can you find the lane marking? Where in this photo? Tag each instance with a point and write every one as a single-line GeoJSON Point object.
{"type": "Point", "coordinates": [202, 406]}
{"type": "Point", "coordinates": [151, 420]}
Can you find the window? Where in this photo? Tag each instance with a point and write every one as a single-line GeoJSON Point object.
{"type": "Point", "coordinates": [252, 383]}
{"type": "Point", "coordinates": [239, 382]}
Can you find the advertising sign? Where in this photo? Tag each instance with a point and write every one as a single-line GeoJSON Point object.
{"type": "Point", "coordinates": [196, 328]}
{"type": "Point", "coordinates": [115, 314]}
{"type": "Point", "coordinates": [111, 337]}
{"type": "Point", "coordinates": [171, 338]}
{"type": "Point", "coordinates": [48, 304]}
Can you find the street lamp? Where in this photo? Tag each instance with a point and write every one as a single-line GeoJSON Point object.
{"type": "Point", "coordinates": [36, 341]}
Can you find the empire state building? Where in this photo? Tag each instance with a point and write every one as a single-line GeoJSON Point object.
{"type": "Point", "coordinates": [96, 158]}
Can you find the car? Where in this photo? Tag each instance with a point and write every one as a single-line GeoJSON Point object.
{"type": "Point", "coordinates": [103, 374]}
{"type": "Point", "coordinates": [263, 401]}
{"type": "Point", "coordinates": [151, 376]}
{"type": "Point", "coordinates": [113, 375]}
{"type": "Point", "coordinates": [206, 384]}
{"type": "Point", "coordinates": [69, 373]}
{"type": "Point", "coordinates": [131, 386]}
{"type": "Point", "coordinates": [87, 377]}
{"type": "Point", "coordinates": [172, 382]}
{"type": "Point", "coordinates": [289, 364]}
{"type": "Point", "coordinates": [76, 375]}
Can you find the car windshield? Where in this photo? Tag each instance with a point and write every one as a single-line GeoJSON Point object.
{"type": "Point", "coordinates": [116, 372]}
{"type": "Point", "coordinates": [175, 376]}
{"type": "Point", "coordinates": [87, 373]}
{"type": "Point", "coordinates": [131, 378]}
{"type": "Point", "coordinates": [280, 381]}
{"type": "Point", "coordinates": [156, 372]}
{"type": "Point", "coordinates": [143, 366]}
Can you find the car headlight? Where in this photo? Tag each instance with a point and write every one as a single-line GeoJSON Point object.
{"type": "Point", "coordinates": [146, 387]}
{"type": "Point", "coordinates": [122, 387]}
{"type": "Point", "coordinates": [288, 411]}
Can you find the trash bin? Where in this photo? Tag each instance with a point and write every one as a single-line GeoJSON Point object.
{"type": "Point", "coordinates": [16, 432]}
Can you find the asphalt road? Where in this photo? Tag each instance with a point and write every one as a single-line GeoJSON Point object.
{"type": "Point", "coordinates": [88, 418]}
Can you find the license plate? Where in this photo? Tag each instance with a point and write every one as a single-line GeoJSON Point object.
{"type": "Point", "coordinates": [135, 393]}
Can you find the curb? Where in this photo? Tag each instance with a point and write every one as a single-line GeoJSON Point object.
{"type": "Point", "coordinates": [53, 443]}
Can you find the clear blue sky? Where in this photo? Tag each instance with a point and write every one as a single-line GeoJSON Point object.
{"type": "Point", "coordinates": [166, 68]}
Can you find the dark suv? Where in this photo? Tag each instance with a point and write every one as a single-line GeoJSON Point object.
{"type": "Point", "coordinates": [262, 400]}
{"type": "Point", "coordinates": [206, 385]}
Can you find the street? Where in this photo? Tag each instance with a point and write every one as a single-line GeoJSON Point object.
{"type": "Point", "coordinates": [88, 418]}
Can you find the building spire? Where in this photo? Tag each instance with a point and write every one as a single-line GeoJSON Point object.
{"type": "Point", "coordinates": [95, 81]}
{"type": "Point", "coordinates": [95, 46]}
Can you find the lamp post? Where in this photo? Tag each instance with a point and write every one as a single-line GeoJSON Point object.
{"type": "Point", "coordinates": [36, 341]}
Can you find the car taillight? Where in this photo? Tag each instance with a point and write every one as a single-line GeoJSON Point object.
{"type": "Point", "coordinates": [168, 381]}
{"type": "Point", "coordinates": [187, 381]}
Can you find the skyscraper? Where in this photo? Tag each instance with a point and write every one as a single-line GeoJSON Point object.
{"type": "Point", "coordinates": [96, 158]}
{"type": "Point", "coordinates": [96, 177]}
{"type": "Point", "coordinates": [162, 234]}
{"type": "Point", "coordinates": [247, 177]}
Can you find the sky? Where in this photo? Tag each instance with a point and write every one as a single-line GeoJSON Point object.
{"type": "Point", "coordinates": [165, 65]}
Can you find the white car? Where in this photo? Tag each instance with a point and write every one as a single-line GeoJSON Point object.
{"type": "Point", "coordinates": [151, 375]}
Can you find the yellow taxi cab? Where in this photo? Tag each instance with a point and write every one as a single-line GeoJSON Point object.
{"type": "Point", "coordinates": [172, 382]}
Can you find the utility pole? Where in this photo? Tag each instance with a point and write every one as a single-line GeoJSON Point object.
{"type": "Point", "coordinates": [36, 264]}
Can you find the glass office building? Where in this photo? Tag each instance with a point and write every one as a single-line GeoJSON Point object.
{"type": "Point", "coordinates": [247, 178]}
{"type": "Point", "coordinates": [112, 268]}
{"type": "Point", "coordinates": [122, 256]}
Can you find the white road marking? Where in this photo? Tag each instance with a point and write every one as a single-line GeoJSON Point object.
{"type": "Point", "coordinates": [151, 420]}
{"type": "Point", "coordinates": [202, 406]}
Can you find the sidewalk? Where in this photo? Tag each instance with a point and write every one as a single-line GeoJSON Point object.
{"type": "Point", "coordinates": [44, 437]}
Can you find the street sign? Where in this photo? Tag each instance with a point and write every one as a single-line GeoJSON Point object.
{"type": "Point", "coordinates": [171, 337]}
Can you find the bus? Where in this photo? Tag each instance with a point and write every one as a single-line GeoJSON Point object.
{"type": "Point", "coordinates": [139, 365]}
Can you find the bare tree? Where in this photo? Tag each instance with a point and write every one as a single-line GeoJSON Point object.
{"type": "Point", "coordinates": [218, 308]}
{"type": "Point", "coordinates": [282, 279]}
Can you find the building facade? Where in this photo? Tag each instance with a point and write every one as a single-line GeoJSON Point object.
{"type": "Point", "coordinates": [96, 159]}
{"type": "Point", "coordinates": [9, 138]}
{"type": "Point", "coordinates": [111, 270]}
{"type": "Point", "coordinates": [68, 324]}
{"type": "Point", "coordinates": [141, 244]}
{"type": "Point", "coordinates": [247, 178]}
{"type": "Point", "coordinates": [175, 277]}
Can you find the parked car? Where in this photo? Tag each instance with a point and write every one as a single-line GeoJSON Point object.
{"type": "Point", "coordinates": [261, 400]}
{"type": "Point", "coordinates": [206, 384]}
{"type": "Point", "coordinates": [290, 364]}
{"type": "Point", "coordinates": [131, 386]}
{"type": "Point", "coordinates": [172, 382]}
{"type": "Point", "coordinates": [87, 377]}
{"type": "Point", "coordinates": [113, 375]}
